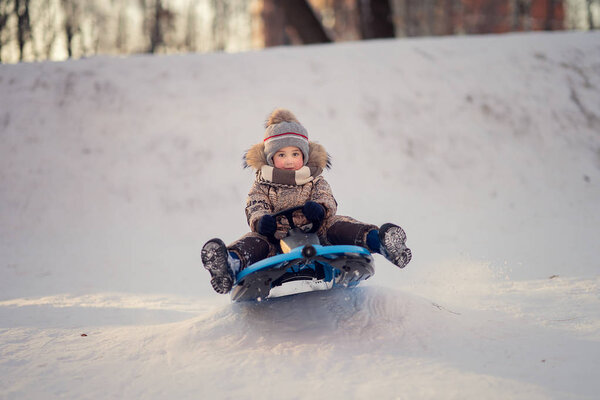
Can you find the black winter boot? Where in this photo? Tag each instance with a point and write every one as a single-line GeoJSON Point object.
{"type": "Point", "coordinates": [215, 260]}
{"type": "Point", "coordinates": [393, 245]}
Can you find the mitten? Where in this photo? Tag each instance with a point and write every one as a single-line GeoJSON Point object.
{"type": "Point", "coordinates": [313, 211]}
{"type": "Point", "coordinates": [267, 225]}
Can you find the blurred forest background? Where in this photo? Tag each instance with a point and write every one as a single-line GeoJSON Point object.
{"type": "Point", "coordinates": [35, 30]}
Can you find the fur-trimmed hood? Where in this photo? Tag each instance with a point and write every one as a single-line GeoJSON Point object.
{"type": "Point", "coordinates": [318, 157]}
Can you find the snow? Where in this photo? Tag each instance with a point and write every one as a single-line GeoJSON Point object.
{"type": "Point", "coordinates": [486, 149]}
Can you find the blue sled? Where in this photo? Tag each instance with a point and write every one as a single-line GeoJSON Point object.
{"type": "Point", "coordinates": [305, 268]}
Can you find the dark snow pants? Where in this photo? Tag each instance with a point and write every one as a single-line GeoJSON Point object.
{"type": "Point", "coordinates": [337, 230]}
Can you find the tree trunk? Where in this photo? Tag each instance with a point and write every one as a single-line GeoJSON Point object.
{"type": "Point", "coordinates": [70, 35]}
{"type": "Point", "coordinates": [46, 25]}
{"type": "Point", "coordinates": [156, 35]}
{"type": "Point", "coordinates": [524, 10]}
{"type": "Point", "coordinates": [23, 25]}
{"type": "Point", "coordinates": [590, 15]}
{"type": "Point", "coordinates": [71, 23]}
{"type": "Point", "coordinates": [4, 14]}
{"type": "Point", "coordinates": [549, 22]}
{"type": "Point", "coordinates": [376, 19]}
{"type": "Point", "coordinates": [219, 24]}
{"type": "Point", "coordinates": [449, 8]}
{"type": "Point", "coordinates": [291, 21]}
{"type": "Point", "coordinates": [191, 27]}
{"type": "Point", "coordinates": [408, 18]}
{"type": "Point", "coordinates": [273, 23]}
{"type": "Point", "coordinates": [300, 16]}
{"type": "Point", "coordinates": [121, 39]}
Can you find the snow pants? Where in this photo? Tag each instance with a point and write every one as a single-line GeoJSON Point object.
{"type": "Point", "coordinates": [337, 230]}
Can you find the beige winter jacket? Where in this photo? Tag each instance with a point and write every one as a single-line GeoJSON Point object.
{"type": "Point", "coordinates": [267, 197]}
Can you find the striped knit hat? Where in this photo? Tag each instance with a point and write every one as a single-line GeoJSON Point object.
{"type": "Point", "coordinates": [283, 130]}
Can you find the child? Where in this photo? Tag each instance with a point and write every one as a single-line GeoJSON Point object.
{"type": "Point", "coordinates": [288, 174]}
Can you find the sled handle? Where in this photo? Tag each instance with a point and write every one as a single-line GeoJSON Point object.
{"type": "Point", "coordinates": [288, 213]}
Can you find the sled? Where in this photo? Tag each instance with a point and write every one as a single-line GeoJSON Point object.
{"type": "Point", "coordinates": [302, 265]}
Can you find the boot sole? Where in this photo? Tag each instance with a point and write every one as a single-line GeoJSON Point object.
{"type": "Point", "coordinates": [394, 237]}
{"type": "Point", "coordinates": [214, 257]}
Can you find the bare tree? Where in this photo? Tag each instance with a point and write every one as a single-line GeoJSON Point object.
{"type": "Point", "coordinates": [71, 23]}
{"type": "Point", "coordinates": [431, 25]}
{"type": "Point", "coordinates": [301, 17]}
{"type": "Point", "coordinates": [273, 23]}
{"type": "Point", "coordinates": [291, 21]}
{"type": "Point", "coordinates": [550, 12]}
{"type": "Point", "coordinates": [191, 27]}
{"type": "Point", "coordinates": [156, 28]}
{"type": "Point", "coordinates": [453, 17]}
{"type": "Point", "coordinates": [449, 17]}
{"type": "Point", "coordinates": [219, 24]}
{"type": "Point", "coordinates": [514, 14]}
{"type": "Point", "coordinates": [429, 17]}
{"type": "Point", "coordinates": [97, 21]}
{"type": "Point", "coordinates": [5, 12]}
{"type": "Point", "coordinates": [341, 19]}
{"type": "Point", "coordinates": [158, 21]}
{"type": "Point", "coordinates": [590, 16]}
{"type": "Point", "coordinates": [523, 11]}
{"type": "Point", "coordinates": [121, 34]}
{"type": "Point", "coordinates": [376, 19]}
{"type": "Point", "coordinates": [45, 22]}
{"type": "Point", "coordinates": [408, 19]}
{"type": "Point", "coordinates": [415, 17]}
{"type": "Point", "coordinates": [23, 25]}
{"type": "Point", "coordinates": [492, 17]}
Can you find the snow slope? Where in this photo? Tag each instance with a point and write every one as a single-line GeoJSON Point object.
{"type": "Point", "coordinates": [113, 172]}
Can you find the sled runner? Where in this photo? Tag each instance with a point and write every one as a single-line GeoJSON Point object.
{"type": "Point", "coordinates": [303, 265]}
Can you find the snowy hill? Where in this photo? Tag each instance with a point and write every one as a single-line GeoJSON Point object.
{"type": "Point", "coordinates": [114, 172]}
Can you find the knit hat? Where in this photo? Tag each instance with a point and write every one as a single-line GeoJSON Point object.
{"type": "Point", "coordinates": [283, 130]}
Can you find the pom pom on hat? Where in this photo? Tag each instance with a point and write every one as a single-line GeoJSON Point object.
{"type": "Point", "coordinates": [283, 130]}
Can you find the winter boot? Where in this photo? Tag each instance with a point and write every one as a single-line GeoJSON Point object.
{"type": "Point", "coordinates": [218, 262]}
{"type": "Point", "coordinates": [393, 247]}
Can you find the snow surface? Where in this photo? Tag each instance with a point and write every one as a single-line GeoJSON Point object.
{"type": "Point", "coordinates": [114, 172]}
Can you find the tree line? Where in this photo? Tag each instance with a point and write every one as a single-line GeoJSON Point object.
{"type": "Point", "coordinates": [33, 30]}
{"type": "Point", "coordinates": [57, 29]}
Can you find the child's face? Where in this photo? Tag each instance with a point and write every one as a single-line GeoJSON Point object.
{"type": "Point", "coordinates": [289, 158]}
